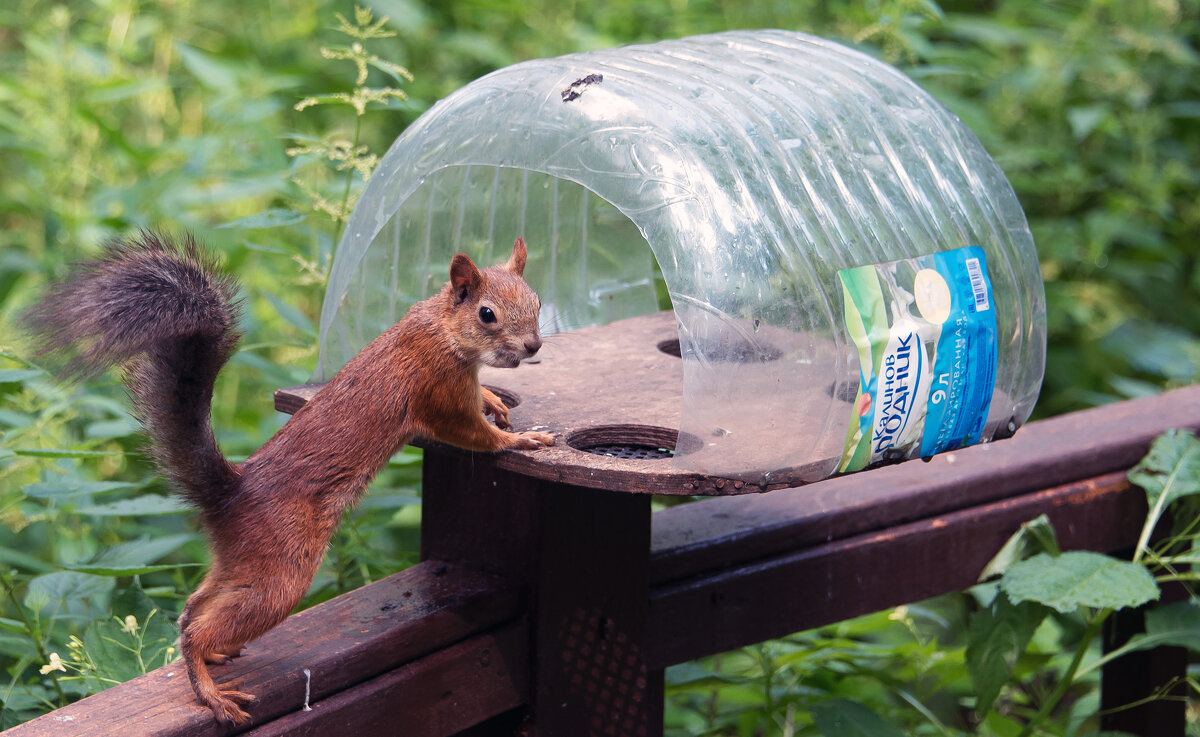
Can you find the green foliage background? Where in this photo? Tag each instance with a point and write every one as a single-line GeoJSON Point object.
{"type": "Point", "coordinates": [119, 114]}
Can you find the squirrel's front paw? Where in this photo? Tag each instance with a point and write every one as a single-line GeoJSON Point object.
{"type": "Point", "coordinates": [532, 440]}
{"type": "Point", "coordinates": [500, 413]}
{"type": "Point", "coordinates": [494, 406]}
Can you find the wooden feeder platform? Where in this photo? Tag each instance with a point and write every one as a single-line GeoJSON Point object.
{"type": "Point", "coordinates": [612, 395]}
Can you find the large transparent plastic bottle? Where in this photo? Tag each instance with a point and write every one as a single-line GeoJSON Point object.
{"type": "Point", "coordinates": [765, 171]}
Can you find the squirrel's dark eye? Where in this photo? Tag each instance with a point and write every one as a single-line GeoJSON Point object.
{"type": "Point", "coordinates": [486, 314]}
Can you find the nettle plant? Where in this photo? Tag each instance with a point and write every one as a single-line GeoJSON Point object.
{"type": "Point", "coordinates": [1036, 581]}
{"type": "Point", "coordinates": [347, 158]}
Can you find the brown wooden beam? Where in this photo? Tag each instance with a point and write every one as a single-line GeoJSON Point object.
{"type": "Point", "coordinates": [582, 553]}
{"type": "Point", "coordinates": [720, 532]}
{"type": "Point", "coordinates": [752, 601]}
{"type": "Point", "coordinates": [441, 694]}
{"type": "Point", "coordinates": [342, 642]}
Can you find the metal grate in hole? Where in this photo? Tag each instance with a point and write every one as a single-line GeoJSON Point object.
{"type": "Point", "coordinates": [632, 451]}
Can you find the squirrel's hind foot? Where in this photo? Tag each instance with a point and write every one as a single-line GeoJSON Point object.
{"type": "Point", "coordinates": [226, 705]}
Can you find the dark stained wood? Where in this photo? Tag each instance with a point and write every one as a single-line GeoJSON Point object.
{"type": "Point", "coordinates": [342, 642]}
{"type": "Point", "coordinates": [441, 694]}
{"type": "Point", "coordinates": [756, 600]}
{"type": "Point", "coordinates": [720, 532]}
{"type": "Point", "coordinates": [583, 554]}
{"type": "Point", "coordinates": [1137, 676]}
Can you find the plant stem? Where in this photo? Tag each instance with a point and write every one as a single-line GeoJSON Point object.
{"type": "Point", "coordinates": [341, 223]}
{"type": "Point", "coordinates": [1093, 629]}
{"type": "Point", "coordinates": [32, 631]}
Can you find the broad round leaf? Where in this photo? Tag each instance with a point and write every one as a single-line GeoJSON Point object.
{"type": "Point", "coordinates": [1079, 578]}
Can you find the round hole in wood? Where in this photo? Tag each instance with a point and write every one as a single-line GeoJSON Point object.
{"type": "Point", "coordinates": [510, 400]}
{"type": "Point", "coordinates": [636, 442]}
{"type": "Point", "coordinates": [726, 351]}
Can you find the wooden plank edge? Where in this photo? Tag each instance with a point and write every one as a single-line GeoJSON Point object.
{"type": "Point", "coordinates": [690, 538]}
{"type": "Point", "coordinates": [568, 465]}
{"type": "Point", "coordinates": [439, 695]}
{"type": "Point", "coordinates": [341, 642]}
{"type": "Point", "coordinates": [769, 598]}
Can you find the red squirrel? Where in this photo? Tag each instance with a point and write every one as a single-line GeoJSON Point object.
{"type": "Point", "coordinates": [166, 313]}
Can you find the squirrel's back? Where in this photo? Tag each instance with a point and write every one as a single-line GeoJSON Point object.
{"type": "Point", "coordinates": [165, 312]}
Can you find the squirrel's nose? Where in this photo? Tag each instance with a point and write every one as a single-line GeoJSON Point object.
{"type": "Point", "coordinates": [532, 345]}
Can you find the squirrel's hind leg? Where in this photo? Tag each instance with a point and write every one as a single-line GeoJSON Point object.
{"type": "Point", "coordinates": [217, 621]}
{"type": "Point", "coordinates": [226, 704]}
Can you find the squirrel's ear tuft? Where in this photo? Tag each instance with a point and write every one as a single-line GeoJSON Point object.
{"type": "Point", "coordinates": [516, 262]}
{"type": "Point", "coordinates": [465, 278]}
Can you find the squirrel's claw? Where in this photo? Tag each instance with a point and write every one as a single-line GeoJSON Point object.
{"type": "Point", "coordinates": [226, 706]}
{"type": "Point", "coordinates": [532, 440]}
{"type": "Point", "coordinates": [494, 406]}
{"type": "Point", "coordinates": [221, 658]}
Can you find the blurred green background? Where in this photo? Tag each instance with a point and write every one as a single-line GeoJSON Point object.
{"type": "Point", "coordinates": [117, 114]}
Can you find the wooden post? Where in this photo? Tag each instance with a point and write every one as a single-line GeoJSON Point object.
{"type": "Point", "coordinates": [582, 555]}
{"type": "Point", "coordinates": [1138, 675]}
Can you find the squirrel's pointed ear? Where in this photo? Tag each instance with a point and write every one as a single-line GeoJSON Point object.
{"type": "Point", "coordinates": [465, 278]}
{"type": "Point", "coordinates": [516, 262]}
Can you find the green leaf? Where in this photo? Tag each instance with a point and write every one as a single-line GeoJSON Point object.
{"type": "Point", "coordinates": [1175, 624]}
{"type": "Point", "coordinates": [125, 571]}
{"type": "Point", "coordinates": [110, 429]}
{"type": "Point", "coordinates": [276, 217]}
{"type": "Point", "coordinates": [70, 591]}
{"type": "Point", "coordinates": [291, 315]}
{"type": "Point", "coordinates": [1170, 471]}
{"type": "Point", "coordinates": [120, 655]}
{"type": "Point", "coordinates": [109, 92]}
{"type": "Point", "coordinates": [1079, 578]}
{"type": "Point", "coordinates": [16, 376]}
{"type": "Point", "coordinates": [212, 72]}
{"type": "Point", "coordinates": [1035, 536]}
{"type": "Point", "coordinates": [996, 639]}
{"type": "Point", "coordinates": [8, 717]}
{"type": "Point", "coordinates": [66, 453]}
{"type": "Point", "coordinates": [74, 487]}
{"type": "Point", "coordinates": [1161, 350]}
{"type": "Point", "coordinates": [147, 505]}
{"type": "Point", "coordinates": [143, 551]}
{"type": "Point", "coordinates": [137, 557]}
{"type": "Point", "coordinates": [845, 718]}
{"type": "Point", "coordinates": [24, 561]}
{"type": "Point", "coordinates": [1086, 118]}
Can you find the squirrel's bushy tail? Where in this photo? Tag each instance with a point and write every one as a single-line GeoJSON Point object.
{"type": "Point", "coordinates": [164, 312]}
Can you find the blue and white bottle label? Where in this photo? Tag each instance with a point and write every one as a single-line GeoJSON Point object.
{"type": "Point", "coordinates": [925, 329]}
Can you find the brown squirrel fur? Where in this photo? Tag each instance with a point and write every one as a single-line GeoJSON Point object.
{"type": "Point", "coordinates": [167, 314]}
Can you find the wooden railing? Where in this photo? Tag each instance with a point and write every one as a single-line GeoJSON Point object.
{"type": "Point", "coordinates": [545, 607]}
